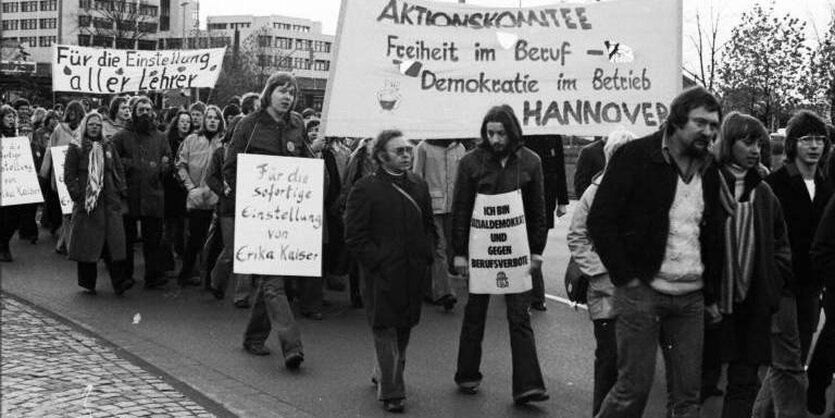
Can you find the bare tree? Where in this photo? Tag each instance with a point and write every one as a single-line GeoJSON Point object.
{"type": "Point", "coordinates": [708, 48]}
{"type": "Point", "coordinates": [120, 21]}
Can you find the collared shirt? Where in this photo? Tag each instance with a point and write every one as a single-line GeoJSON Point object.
{"type": "Point", "coordinates": [697, 165]}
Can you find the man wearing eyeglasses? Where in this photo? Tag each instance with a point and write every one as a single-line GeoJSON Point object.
{"type": "Point", "coordinates": [390, 231]}
{"type": "Point", "coordinates": [803, 191]}
{"type": "Point", "coordinates": [656, 223]}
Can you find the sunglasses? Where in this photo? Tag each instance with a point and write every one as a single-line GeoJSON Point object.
{"type": "Point", "coordinates": [809, 139]}
{"type": "Point", "coordinates": [401, 151]}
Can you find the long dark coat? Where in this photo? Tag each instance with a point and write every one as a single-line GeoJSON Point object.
{"type": "Point", "coordinates": [90, 231]}
{"type": "Point", "coordinates": [393, 242]}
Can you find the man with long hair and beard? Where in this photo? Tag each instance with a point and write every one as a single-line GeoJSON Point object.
{"type": "Point", "coordinates": [146, 157]}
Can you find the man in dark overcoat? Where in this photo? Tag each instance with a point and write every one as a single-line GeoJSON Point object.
{"type": "Point", "coordinates": [389, 229]}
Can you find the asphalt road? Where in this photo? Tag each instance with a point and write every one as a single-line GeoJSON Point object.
{"type": "Point", "coordinates": [197, 340]}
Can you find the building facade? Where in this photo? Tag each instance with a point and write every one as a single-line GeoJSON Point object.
{"type": "Point", "coordinates": [281, 43]}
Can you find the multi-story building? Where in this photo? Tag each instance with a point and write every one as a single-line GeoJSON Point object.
{"type": "Point", "coordinates": [282, 43]}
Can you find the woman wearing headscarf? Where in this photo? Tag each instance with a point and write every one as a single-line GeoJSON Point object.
{"type": "Point", "coordinates": [63, 134]}
{"type": "Point", "coordinates": [193, 160]}
{"type": "Point", "coordinates": [175, 195]}
{"type": "Point", "coordinates": [95, 180]}
{"type": "Point", "coordinates": [601, 290]}
{"type": "Point", "coordinates": [757, 260]}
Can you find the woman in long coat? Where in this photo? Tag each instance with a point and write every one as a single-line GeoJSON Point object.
{"type": "Point", "coordinates": [95, 179]}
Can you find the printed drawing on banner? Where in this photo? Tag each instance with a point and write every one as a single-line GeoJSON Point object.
{"type": "Point", "coordinates": [389, 97]}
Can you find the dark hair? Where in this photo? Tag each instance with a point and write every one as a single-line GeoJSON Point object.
{"type": "Point", "coordinates": [231, 110]}
{"type": "Point", "coordinates": [503, 114]}
{"type": "Point", "coordinates": [312, 124]}
{"type": "Point", "coordinates": [173, 134]}
{"type": "Point", "coordinates": [308, 113]}
{"type": "Point", "coordinates": [280, 78]}
{"type": "Point", "coordinates": [690, 99]}
{"type": "Point", "coordinates": [248, 102]}
{"type": "Point", "coordinates": [136, 102]}
{"type": "Point", "coordinates": [235, 100]}
{"type": "Point", "coordinates": [50, 114]}
{"type": "Point", "coordinates": [737, 127]}
{"type": "Point", "coordinates": [804, 122]}
{"type": "Point", "coordinates": [74, 107]}
{"type": "Point", "coordinates": [198, 106]}
{"type": "Point", "coordinates": [380, 144]}
{"type": "Point", "coordinates": [58, 106]}
{"type": "Point", "coordinates": [17, 104]}
{"type": "Point", "coordinates": [115, 103]}
{"type": "Point", "coordinates": [221, 126]}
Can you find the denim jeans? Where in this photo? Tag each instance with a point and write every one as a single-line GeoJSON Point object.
{"type": "Point", "coordinates": [783, 391]}
{"type": "Point", "coordinates": [390, 347]}
{"type": "Point", "coordinates": [223, 268]}
{"type": "Point", "coordinates": [646, 318]}
{"type": "Point", "coordinates": [605, 360]}
{"type": "Point", "coordinates": [441, 283]}
{"type": "Point", "coordinates": [271, 309]}
{"type": "Point", "coordinates": [527, 376]}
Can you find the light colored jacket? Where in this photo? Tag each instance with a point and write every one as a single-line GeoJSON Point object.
{"type": "Point", "coordinates": [193, 160]}
{"type": "Point", "coordinates": [601, 289]}
{"type": "Point", "coordinates": [438, 166]}
{"type": "Point", "coordinates": [62, 135]}
{"type": "Point", "coordinates": [109, 128]}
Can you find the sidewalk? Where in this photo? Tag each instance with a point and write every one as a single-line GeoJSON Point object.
{"type": "Point", "coordinates": [51, 369]}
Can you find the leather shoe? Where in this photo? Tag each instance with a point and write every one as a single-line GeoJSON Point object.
{"type": "Point", "coordinates": [539, 306]}
{"type": "Point", "coordinates": [257, 349]}
{"type": "Point", "coordinates": [316, 316]}
{"type": "Point", "coordinates": [394, 405]}
{"type": "Point", "coordinates": [531, 397]}
{"type": "Point", "coordinates": [293, 361]}
{"type": "Point", "coordinates": [124, 286]}
{"type": "Point", "coordinates": [468, 388]}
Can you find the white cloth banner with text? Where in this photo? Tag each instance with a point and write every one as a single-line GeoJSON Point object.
{"type": "Point", "coordinates": [433, 69]}
{"type": "Point", "coordinates": [113, 71]}
{"type": "Point", "coordinates": [500, 258]}
{"type": "Point", "coordinates": [279, 205]}
{"type": "Point", "coordinates": [59, 156]}
{"type": "Point", "coordinates": [18, 180]}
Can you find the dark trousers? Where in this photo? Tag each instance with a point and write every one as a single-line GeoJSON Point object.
{"type": "Point", "coordinates": [151, 241]}
{"type": "Point", "coordinates": [175, 233]}
{"type": "Point", "coordinates": [198, 227]}
{"type": "Point", "coordinates": [212, 247]}
{"type": "Point", "coordinates": [390, 346]}
{"type": "Point", "coordinates": [605, 360]}
{"type": "Point", "coordinates": [711, 357]}
{"type": "Point", "coordinates": [808, 317]}
{"type": "Point", "coordinates": [822, 365]}
{"type": "Point", "coordinates": [272, 310]}
{"type": "Point", "coordinates": [743, 386]}
{"type": "Point", "coordinates": [88, 272]}
{"type": "Point", "coordinates": [28, 225]}
{"type": "Point", "coordinates": [9, 223]}
{"type": "Point", "coordinates": [527, 376]}
{"type": "Point", "coordinates": [537, 294]}
{"type": "Point", "coordinates": [311, 294]}
{"type": "Point", "coordinates": [52, 209]}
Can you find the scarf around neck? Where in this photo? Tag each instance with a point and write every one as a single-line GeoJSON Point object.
{"type": "Point", "coordinates": [739, 237]}
{"type": "Point", "coordinates": [96, 176]}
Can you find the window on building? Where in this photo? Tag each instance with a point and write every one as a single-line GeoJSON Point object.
{"type": "Point", "coordinates": [29, 24]}
{"type": "Point", "coordinates": [49, 23]}
{"type": "Point", "coordinates": [301, 63]}
{"type": "Point", "coordinates": [283, 62]}
{"type": "Point", "coordinates": [103, 41]}
{"type": "Point", "coordinates": [321, 65]}
{"type": "Point", "coordinates": [147, 45]}
{"type": "Point", "coordinates": [283, 43]}
{"type": "Point", "coordinates": [31, 40]}
{"type": "Point", "coordinates": [49, 5]}
{"type": "Point", "coordinates": [84, 40]}
{"type": "Point", "coordinates": [28, 6]}
{"type": "Point", "coordinates": [263, 60]}
{"type": "Point", "coordinates": [304, 44]}
{"type": "Point", "coordinates": [10, 24]}
{"type": "Point", "coordinates": [46, 40]}
{"type": "Point", "coordinates": [84, 21]}
{"type": "Point", "coordinates": [264, 41]}
{"type": "Point", "coordinates": [202, 43]}
{"type": "Point", "coordinates": [123, 43]}
{"type": "Point", "coordinates": [100, 23]}
{"type": "Point", "coordinates": [85, 4]}
{"type": "Point", "coordinates": [148, 10]}
{"type": "Point", "coordinates": [216, 26]}
{"type": "Point", "coordinates": [164, 23]}
{"type": "Point", "coordinates": [11, 7]}
{"type": "Point", "coordinates": [8, 39]}
{"type": "Point", "coordinates": [147, 27]}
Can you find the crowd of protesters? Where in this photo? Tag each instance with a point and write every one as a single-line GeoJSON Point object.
{"type": "Point", "coordinates": [685, 237]}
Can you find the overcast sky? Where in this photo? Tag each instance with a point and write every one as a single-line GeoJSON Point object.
{"type": "Point", "coordinates": [816, 12]}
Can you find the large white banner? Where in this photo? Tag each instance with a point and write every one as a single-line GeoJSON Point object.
{"type": "Point", "coordinates": [278, 215]}
{"type": "Point", "coordinates": [434, 69]}
{"type": "Point", "coordinates": [59, 156]}
{"type": "Point", "coordinates": [17, 173]}
{"type": "Point", "coordinates": [114, 71]}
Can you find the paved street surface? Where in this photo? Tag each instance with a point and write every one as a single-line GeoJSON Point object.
{"type": "Point", "coordinates": [51, 369]}
{"type": "Point", "coordinates": [197, 340]}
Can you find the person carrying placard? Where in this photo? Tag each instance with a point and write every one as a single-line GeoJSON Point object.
{"type": "Point", "coordinates": [499, 233]}
{"type": "Point", "coordinates": [9, 215]}
{"type": "Point", "coordinates": [275, 129]}
{"type": "Point", "coordinates": [390, 230]}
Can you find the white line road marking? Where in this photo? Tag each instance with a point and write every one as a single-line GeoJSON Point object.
{"type": "Point", "coordinates": [566, 301]}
